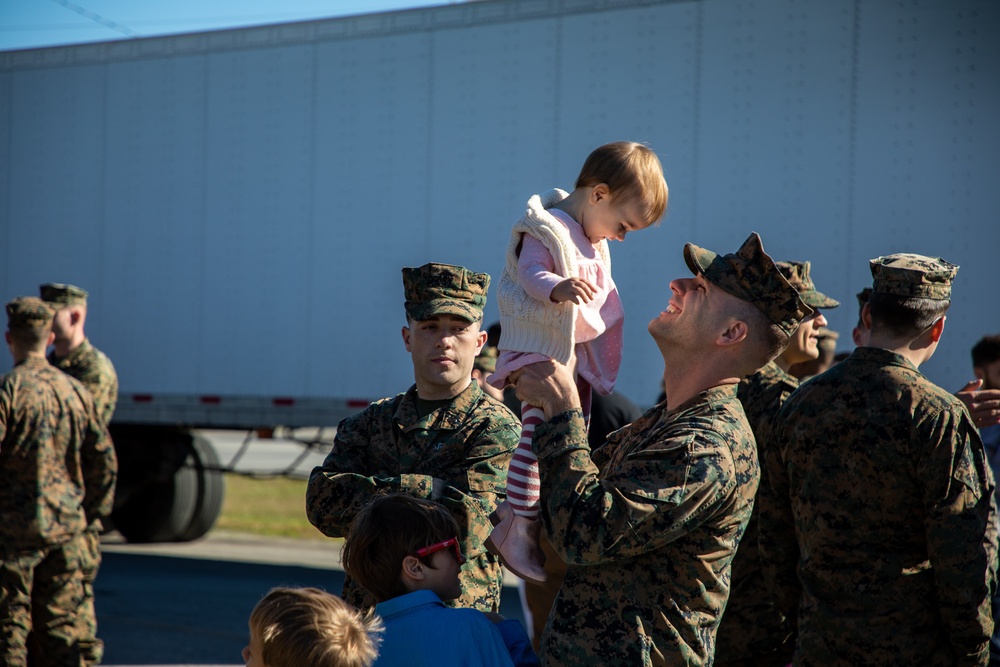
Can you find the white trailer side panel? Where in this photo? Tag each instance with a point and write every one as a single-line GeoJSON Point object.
{"type": "Point", "coordinates": [240, 203]}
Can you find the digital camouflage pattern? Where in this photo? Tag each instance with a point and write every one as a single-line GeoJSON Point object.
{"type": "Point", "coordinates": [388, 447]}
{"type": "Point", "coordinates": [54, 481]}
{"type": "Point", "coordinates": [50, 579]}
{"type": "Point", "coordinates": [797, 274]}
{"type": "Point", "coordinates": [882, 478]}
{"type": "Point", "coordinates": [752, 627]}
{"type": "Point", "coordinates": [59, 295]}
{"type": "Point", "coordinates": [827, 338]}
{"type": "Point", "coordinates": [910, 275]}
{"type": "Point", "coordinates": [648, 526]}
{"type": "Point", "coordinates": [435, 289]}
{"type": "Point", "coordinates": [750, 274]}
{"type": "Point", "coordinates": [486, 360]}
{"type": "Point", "coordinates": [93, 368]}
{"type": "Point", "coordinates": [862, 297]}
{"type": "Point", "coordinates": [27, 312]}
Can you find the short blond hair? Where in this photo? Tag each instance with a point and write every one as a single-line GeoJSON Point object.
{"type": "Point", "coordinates": [632, 173]}
{"type": "Point", "coordinates": [308, 626]}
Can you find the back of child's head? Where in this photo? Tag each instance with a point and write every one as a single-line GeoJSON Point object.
{"type": "Point", "coordinates": [387, 530]}
{"type": "Point", "coordinates": [308, 626]}
{"type": "Point", "coordinates": [632, 173]}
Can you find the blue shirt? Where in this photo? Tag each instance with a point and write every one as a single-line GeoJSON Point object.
{"type": "Point", "coordinates": [421, 630]}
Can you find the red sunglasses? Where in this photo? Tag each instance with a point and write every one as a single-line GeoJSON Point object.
{"type": "Point", "coordinates": [441, 546]}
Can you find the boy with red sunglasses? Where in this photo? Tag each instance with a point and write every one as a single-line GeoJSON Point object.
{"type": "Point", "coordinates": [405, 552]}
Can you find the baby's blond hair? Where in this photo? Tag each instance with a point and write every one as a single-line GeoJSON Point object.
{"type": "Point", "coordinates": [632, 173]}
{"type": "Point", "coordinates": [308, 626]}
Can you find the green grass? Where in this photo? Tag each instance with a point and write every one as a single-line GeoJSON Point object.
{"type": "Point", "coordinates": [272, 507]}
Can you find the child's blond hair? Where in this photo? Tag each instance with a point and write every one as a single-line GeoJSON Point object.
{"type": "Point", "coordinates": [632, 173]}
{"type": "Point", "coordinates": [308, 626]}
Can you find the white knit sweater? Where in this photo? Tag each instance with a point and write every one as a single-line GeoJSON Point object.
{"type": "Point", "coordinates": [527, 324]}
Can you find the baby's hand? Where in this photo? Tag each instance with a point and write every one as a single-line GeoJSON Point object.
{"type": "Point", "coordinates": [576, 290]}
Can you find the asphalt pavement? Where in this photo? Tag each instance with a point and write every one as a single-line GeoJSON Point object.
{"type": "Point", "coordinates": [188, 603]}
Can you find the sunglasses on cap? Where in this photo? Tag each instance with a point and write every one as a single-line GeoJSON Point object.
{"type": "Point", "coordinates": [441, 546]}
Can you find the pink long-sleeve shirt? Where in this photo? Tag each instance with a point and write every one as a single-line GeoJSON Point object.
{"type": "Point", "coordinates": [599, 323]}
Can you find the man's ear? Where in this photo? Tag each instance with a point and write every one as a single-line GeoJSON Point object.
{"type": "Point", "coordinates": [51, 339]}
{"type": "Point", "coordinates": [856, 336]}
{"type": "Point", "coordinates": [406, 338]}
{"type": "Point", "coordinates": [980, 374]}
{"type": "Point", "coordinates": [734, 333]}
{"type": "Point", "coordinates": [866, 315]}
{"type": "Point", "coordinates": [481, 341]}
{"type": "Point", "coordinates": [937, 329]}
{"type": "Point", "coordinates": [75, 316]}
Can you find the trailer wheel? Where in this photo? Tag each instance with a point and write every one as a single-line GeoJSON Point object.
{"type": "Point", "coordinates": [211, 487]}
{"type": "Point", "coordinates": [168, 494]}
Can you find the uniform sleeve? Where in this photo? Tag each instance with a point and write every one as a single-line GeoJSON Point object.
{"type": "Point", "coordinates": [650, 499]}
{"type": "Point", "coordinates": [484, 485]}
{"type": "Point", "coordinates": [99, 466]}
{"type": "Point", "coordinates": [5, 406]}
{"type": "Point", "coordinates": [536, 269]}
{"type": "Point", "coordinates": [339, 488]}
{"type": "Point", "coordinates": [777, 543]}
{"type": "Point", "coordinates": [105, 392]}
{"type": "Point", "coordinates": [961, 533]}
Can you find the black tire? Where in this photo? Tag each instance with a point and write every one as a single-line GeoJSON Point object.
{"type": "Point", "coordinates": [170, 487]}
{"type": "Point", "coordinates": [211, 489]}
{"type": "Point", "coordinates": [160, 507]}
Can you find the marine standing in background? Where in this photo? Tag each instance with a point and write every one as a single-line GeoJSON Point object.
{"type": "Point", "coordinates": [57, 476]}
{"type": "Point", "coordinates": [878, 522]}
{"type": "Point", "coordinates": [649, 522]}
{"type": "Point", "coordinates": [72, 353]}
{"type": "Point", "coordinates": [443, 439]}
{"type": "Point", "coordinates": [753, 633]}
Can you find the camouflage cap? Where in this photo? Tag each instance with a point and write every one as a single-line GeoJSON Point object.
{"type": "Point", "coordinates": [797, 273]}
{"type": "Point", "coordinates": [909, 275]}
{"type": "Point", "coordinates": [863, 296]}
{"type": "Point", "coordinates": [59, 295]}
{"type": "Point", "coordinates": [827, 338]}
{"type": "Point", "coordinates": [486, 361]}
{"type": "Point", "coordinates": [28, 312]}
{"type": "Point", "coordinates": [750, 275]}
{"type": "Point", "coordinates": [435, 289]}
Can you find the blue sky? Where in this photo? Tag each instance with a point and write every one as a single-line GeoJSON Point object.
{"type": "Point", "coordinates": [26, 24]}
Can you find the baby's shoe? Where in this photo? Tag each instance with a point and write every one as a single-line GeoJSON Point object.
{"type": "Point", "coordinates": [500, 513]}
{"type": "Point", "coordinates": [515, 541]}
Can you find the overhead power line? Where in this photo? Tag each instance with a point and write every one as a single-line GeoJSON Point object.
{"type": "Point", "coordinates": [97, 18]}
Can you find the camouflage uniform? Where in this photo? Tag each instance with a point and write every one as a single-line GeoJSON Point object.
{"type": "Point", "coordinates": [753, 631]}
{"type": "Point", "coordinates": [92, 368]}
{"type": "Point", "coordinates": [752, 627]}
{"type": "Point", "coordinates": [389, 447]}
{"type": "Point", "coordinates": [56, 475]}
{"type": "Point", "coordinates": [881, 501]}
{"type": "Point", "coordinates": [649, 523]}
{"type": "Point", "coordinates": [648, 529]}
